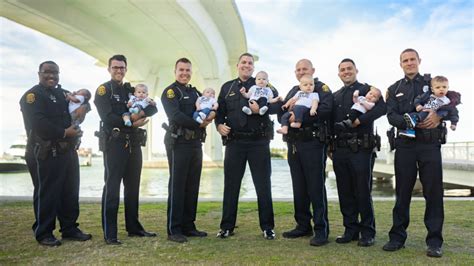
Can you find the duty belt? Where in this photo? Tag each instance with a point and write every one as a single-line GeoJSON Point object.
{"type": "Point", "coordinates": [353, 141]}
{"type": "Point", "coordinates": [436, 135]}
{"type": "Point", "coordinates": [252, 135]}
{"type": "Point", "coordinates": [305, 134]}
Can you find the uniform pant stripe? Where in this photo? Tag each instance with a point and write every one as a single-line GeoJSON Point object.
{"type": "Point", "coordinates": [36, 153]}
{"type": "Point", "coordinates": [170, 218]}
{"type": "Point", "coordinates": [323, 188]}
{"type": "Point", "coordinates": [104, 200]}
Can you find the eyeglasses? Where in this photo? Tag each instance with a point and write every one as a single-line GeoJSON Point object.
{"type": "Point", "coordinates": [119, 68]}
{"type": "Point", "coordinates": [47, 72]}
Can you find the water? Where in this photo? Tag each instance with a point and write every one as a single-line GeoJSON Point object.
{"type": "Point", "coordinates": [154, 183]}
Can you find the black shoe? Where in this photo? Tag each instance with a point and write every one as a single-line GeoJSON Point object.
{"type": "Point", "coordinates": [295, 233]}
{"type": "Point", "coordinates": [318, 241]}
{"type": "Point", "coordinates": [177, 238]}
{"type": "Point", "coordinates": [434, 252]}
{"type": "Point", "coordinates": [142, 233]}
{"type": "Point", "coordinates": [366, 242]}
{"type": "Point", "coordinates": [76, 236]}
{"type": "Point", "coordinates": [393, 246]}
{"type": "Point", "coordinates": [113, 241]}
{"type": "Point", "coordinates": [195, 233]}
{"type": "Point", "coordinates": [346, 238]}
{"type": "Point", "coordinates": [225, 233]}
{"type": "Point", "coordinates": [50, 241]}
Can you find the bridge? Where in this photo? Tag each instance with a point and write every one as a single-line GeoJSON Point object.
{"type": "Point", "coordinates": [152, 34]}
{"type": "Point", "coordinates": [458, 165]}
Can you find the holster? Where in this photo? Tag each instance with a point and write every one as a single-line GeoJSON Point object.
{"type": "Point", "coordinates": [103, 137]}
{"type": "Point", "coordinates": [391, 138]}
{"type": "Point", "coordinates": [40, 146]}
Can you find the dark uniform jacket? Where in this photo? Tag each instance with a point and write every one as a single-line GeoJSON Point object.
{"type": "Point", "coordinates": [231, 101]}
{"type": "Point", "coordinates": [111, 101]}
{"type": "Point", "coordinates": [343, 103]}
{"type": "Point", "coordinates": [45, 112]}
{"type": "Point", "coordinates": [324, 110]}
{"type": "Point", "coordinates": [401, 98]}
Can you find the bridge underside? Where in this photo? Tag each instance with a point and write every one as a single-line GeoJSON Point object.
{"type": "Point", "coordinates": [152, 34]}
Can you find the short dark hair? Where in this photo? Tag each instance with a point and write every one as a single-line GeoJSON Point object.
{"type": "Point", "coordinates": [246, 54]}
{"type": "Point", "coordinates": [47, 62]}
{"type": "Point", "coordinates": [439, 79]}
{"type": "Point", "coordinates": [182, 60]}
{"type": "Point", "coordinates": [118, 57]}
{"type": "Point", "coordinates": [410, 50]}
{"type": "Point", "coordinates": [346, 60]}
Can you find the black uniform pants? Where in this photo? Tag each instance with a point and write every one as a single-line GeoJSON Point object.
{"type": "Point", "coordinates": [257, 154]}
{"type": "Point", "coordinates": [121, 161]}
{"type": "Point", "coordinates": [354, 186]}
{"type": "Point", "coordinates": [411, 156]}
{"type": "Point", "coordinates": [185, 164]}
{"type": "Point", "coordinates": [307, 165]}
{"type": "Point", "coordinates": [56, 192]}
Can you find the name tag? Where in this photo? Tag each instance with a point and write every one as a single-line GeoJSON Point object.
{"type": "Point", "coordinates": [399, 95]}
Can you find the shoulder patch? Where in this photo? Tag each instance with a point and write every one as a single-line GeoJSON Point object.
{"type": "Point", "coordinates": [101, 90]}
{"type": "Point", "coordinates": [30, 98]}
{"type": "Point", "coordinates": [170, 94]}
{"type": "Point", "coordinates": [325, 88]}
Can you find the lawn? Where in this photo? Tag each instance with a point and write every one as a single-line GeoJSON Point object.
{"type": "Point", "coordinates": [17, 245]}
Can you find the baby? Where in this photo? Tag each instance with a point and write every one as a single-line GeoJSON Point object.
{"type": "Point", "coordinates": [205, 105]}
{"type": "Point", "coordinates": [304, 100]}
{"type": "Point", "coordinates": [259, 93]}
{"type": "Point", "coordinates": [440, 100]}
{"type": "Point", "coordinates": [76, 99]}
{"type": "Point", "coordinates": [136, 103]}
{"type": "Point", "coordinates": [362, 104]}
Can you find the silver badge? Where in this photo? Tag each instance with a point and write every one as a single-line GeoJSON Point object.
{"type": "Point", "coordinates": [425, 88]}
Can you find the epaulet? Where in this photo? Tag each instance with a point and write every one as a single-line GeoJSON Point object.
{"type": "Point", "coordinates": [427, 77]}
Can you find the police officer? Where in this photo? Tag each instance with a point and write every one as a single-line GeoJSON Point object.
{"type": "Point", "coordinates": [353, 159]}
{"type": "Point", "coordinates": [184, 150]}
{"type": "Point", "coordinates": [51, 158]}
{"type": "Point", "coordinates": [122, 154]}
{"type": "Point", "coordinates": [421, 155]}
{"type": "Point", "coordinates": [307, 160]}
{"type": "Point", "coordinates": [247, 139]}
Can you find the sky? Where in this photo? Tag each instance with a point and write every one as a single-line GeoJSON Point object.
{"type": "Point", "coordinates": [372, 33]}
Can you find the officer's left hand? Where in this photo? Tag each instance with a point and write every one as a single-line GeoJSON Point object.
{"type": "Point", "coordinates": [431, 121]}
{"type": "Point", "coordinates": [140, 122]}
{"type": "Point", "coordinates": [356, 123]}
{"type": "Point", "coordinates": [254, 107]}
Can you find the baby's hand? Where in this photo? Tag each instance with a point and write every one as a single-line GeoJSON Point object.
{"type": "Point", "coordinates": [453, 127]}
{"type": "Point", "coordinates": [356, 93]}
{"type": "Point", "coordinates": [312, 112]}
{"type": "Point", "coordinates": [419, 108]}
{"type": "Point", "coordinates": [242, 90]}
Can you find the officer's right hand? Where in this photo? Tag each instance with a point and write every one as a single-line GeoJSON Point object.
{"type": "Point", "coordinates": [71, 131]}
{"type": "Point", "coordinates": [223, 129]}
{"type": "Point", "coordinates": [140, 122]}
{"type": "Point", "coordinates": [136, 117]}
{"type": "Point", "coordinates": [204, 123]}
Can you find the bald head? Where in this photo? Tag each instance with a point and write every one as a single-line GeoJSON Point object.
{"type": "Point", "coordinates": [303, 67]}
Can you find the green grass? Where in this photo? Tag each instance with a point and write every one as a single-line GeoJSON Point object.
{"type": "Point", "coordinates": [18, 246]}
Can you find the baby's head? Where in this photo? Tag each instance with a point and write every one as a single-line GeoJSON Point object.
{"type": "Point", "coordinates": [84, 92]}
{"type": "Point", "coordinates": [141, 91]}
{"type": "Point", "coordinates": [373, 95]}
{"type": "Point", "coordinates": [209, 92]}
{"type": "Point", "coordinates": [439, 86]}
{"type": "Point", "coordinates": [307, 83]}
{"type": "Point", "coordinates": [261, 79]}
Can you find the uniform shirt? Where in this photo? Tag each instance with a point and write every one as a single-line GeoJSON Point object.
{"type": "Point", "coordinates": [401, 96]}
{"type": "Point", "coordinates": [111, 101]}
{"type": "Point", "coordinates": [206, 102]}
{"type": "Point", "coordinates": [231, 102]}
{"type": "Point", "coordinates": [179, 102]}
{"type": "Point", "coordinates": [305, 99]}
{"type": "Point", "coordinates": [343, 101]}
{"type": "Point", "coordinates": [324, 110]}
{"type": "Point", "coordinates": [45, 112]}
{"type": "Point", "coordinates": [258, 92]}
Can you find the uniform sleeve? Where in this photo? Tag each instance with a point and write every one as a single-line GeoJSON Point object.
{"type": "Point", "coordinates": [222, 109]}
{"type": "Point", "coordinates": [379, 109]}
{"type": "Point", "coordinates": [421, 99]}
{"type": "Point", "coordinates": [150, 110]}
{"type": "Point", "coordinates": [34, 107]}
{"type": "Point", "coordinates": [104, 107]}
{"type": "Point", "coordinates": [274, 108]}
{"type": "Point", "coordinates": [326, 101]}
{"type": "Point", "coordinates": [393, 112]}
{"type": "Point", "coordinates": [170, 101]}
